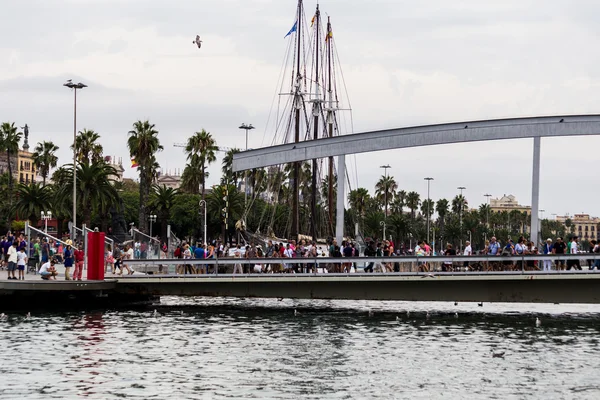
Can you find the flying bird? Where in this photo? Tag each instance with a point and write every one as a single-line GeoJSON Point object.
{"type": "Point", "coordinates": [198, 42]}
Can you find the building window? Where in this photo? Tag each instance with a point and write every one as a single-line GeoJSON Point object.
{"type": "Point", "coordinates": [579, 228]}
{"type": "Point", "coordinates": [586, 228]}
{"type": "Point", "coordinates": [592, 228]}
{"type": "Point", "coordinates": [21, 178]}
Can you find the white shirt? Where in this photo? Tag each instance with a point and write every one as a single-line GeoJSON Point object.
{"type": "Point", "coordinates": [21, 256]}
{"type": "Point", "coordinates": [12, 254]}
{"type": "Point", "coordinates": [468, 251]}
{"type": "Point", "coordinates": [573, 247]}
{"type": "Point", "coordinates": [44, 268]}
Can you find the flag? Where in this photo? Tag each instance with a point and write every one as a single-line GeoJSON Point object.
{"type": "Point", "coordinates": [312, 21]}
{"type": "Point", "coordinates": [292, 30]}
{"type": "Point", "coordinates": [134, 163]}
{"type": "Point", "coordinates": [329, 35]}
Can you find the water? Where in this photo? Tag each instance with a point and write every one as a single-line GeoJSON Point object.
{"type": "Point", "coordinates": [234, 348]}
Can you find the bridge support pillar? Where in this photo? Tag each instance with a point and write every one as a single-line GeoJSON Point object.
{"type": "Point", "coordinates": [341, 193]}
{"type": "Point", "coordinates": [535, 191]}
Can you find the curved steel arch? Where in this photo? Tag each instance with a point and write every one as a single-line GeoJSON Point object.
{"type": "Point", "coordinates": [427, 135]}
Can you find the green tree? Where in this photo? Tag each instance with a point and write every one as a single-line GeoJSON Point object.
{"type": "Point", "coordinates": [32, 199]}
{"type": "Point", "coordinates": [44, 158]}
{"type": "Point", "coordinates": [228, 175]}
{"type": "Point", "coordinates": [88, 149]}
{"type": "Point", "coordinates": [163, 198]}
{"type": "Point", "coordinates": [215, 204]}
{"type": "Point", "coordinates": [143, 145]}
{"type": "Point", "coordinates": [191, 179]}
{"type": "Point", "coordinates": [204, 146]}
{"type": "Point", "coordinates": [428, 206]}
{"type": "Point", "coordinates": [95, 191]}
{"type": "Point", "coordinates": [412, 202]}
{"type": "Point", "coordinates": [399, 202]}
{"type": "Point", "coordinates": [385, 189]}
{"type": "Point", "coordinates": [9, 140]}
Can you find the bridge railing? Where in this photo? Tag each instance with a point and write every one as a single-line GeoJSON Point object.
{"type": "Point", "coordinates": [398, 264]}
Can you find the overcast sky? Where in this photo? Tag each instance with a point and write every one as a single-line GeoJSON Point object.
{"type": "Point", "coordinates": [404, 62]}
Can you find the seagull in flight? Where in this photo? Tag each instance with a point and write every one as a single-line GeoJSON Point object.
{"type": "Point", "coordinates": [198, 42]}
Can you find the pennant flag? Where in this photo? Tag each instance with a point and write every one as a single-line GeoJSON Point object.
{"type": "Point", "coordinates": [329, 35]}
{"type": "Point", "coordinates": [292, 30]}
{"type": "Point", "coordinates": [312, 21]}
{"type": "Point", "coordinates": [134, 163]}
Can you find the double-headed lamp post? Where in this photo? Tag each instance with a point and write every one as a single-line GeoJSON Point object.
{"type": "Point", "coordinates": [428, 179]}
{"type": "Point", "coordinates": [45, 217]}
{"type": "Point", "coordinates": [152, 219]}
{"type": "Point", "coordinates": [203, 204]}
{"type": "Point", "coordinates": [74, 86]}
{"type": "Point", "coordinates": [246, 127]}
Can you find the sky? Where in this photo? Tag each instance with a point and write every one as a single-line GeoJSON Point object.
{"type": "Point", "coordinates": [405, 63]}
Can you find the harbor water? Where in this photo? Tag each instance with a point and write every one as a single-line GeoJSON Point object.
{"type": "Point", "coordinates": [195, 348]}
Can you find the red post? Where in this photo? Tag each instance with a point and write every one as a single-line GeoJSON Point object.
{"type": "Point", "coordinates": [95, 253]}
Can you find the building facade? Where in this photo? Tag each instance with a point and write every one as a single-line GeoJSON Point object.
{"type": "Point", "coordinates": [508, 203]}
{"type": "Point", "coordinates": [117, 164]}
{"type": "Point", "coordinates": [582, 225]}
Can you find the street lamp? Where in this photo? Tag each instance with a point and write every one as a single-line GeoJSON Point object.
{"type": "Point", "coordinates": [45, 217]}
{"type": "Point", "coordinates": [382, 223]}
{"type": "Point", "coordinates": [487, 217]}
{"type": "Point", "coordinates": [428, 205]}
{"type": "Point", "coordinates": [246, 127]}
{"type": "Point", "coordinates": [385, 168]}
{"type": "Point", "coordinates": [462, 205]}
{"type": "Point", "coordinates": [202, 203]}
{"type": "Point", "coordinates": [74, 86]}
{"type": "Point", "coordinates": [151, 218]}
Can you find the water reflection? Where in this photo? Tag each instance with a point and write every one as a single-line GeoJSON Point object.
{"type": "Point", "coordinates": [232, 348]}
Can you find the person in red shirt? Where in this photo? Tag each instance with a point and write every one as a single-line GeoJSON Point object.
{"type": "Point", "coordinates": [79, 257]}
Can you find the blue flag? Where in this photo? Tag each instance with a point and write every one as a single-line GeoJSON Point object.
{"type": "Point", "coordinates": [292, 30]}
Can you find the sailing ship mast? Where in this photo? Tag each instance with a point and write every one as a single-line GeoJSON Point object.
{"type": "Point", "coordinates": [330, 121]}
{"type": "Point", "coordinates": [316, 111]}
{"type": "Point", "coordinates": [298, 106]}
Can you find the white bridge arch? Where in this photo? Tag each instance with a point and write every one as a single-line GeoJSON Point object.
{"type": "Point", "coordinates": [426, 135]}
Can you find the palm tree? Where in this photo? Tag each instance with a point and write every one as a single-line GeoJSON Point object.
{"type": "Point", "coordinates": [399, 202]}
{"type": "Point", "coordinates": [412, 202]}
{"type": "Point", "coordinates": [88, 149]}
{"type": "Point", "coordinates": [32, 199]}
{"type": "Point", "coordinates": [204, 146]}
{"type": "Point", "coordinates": [459, 204]}
{"type": "Point", "coordinates": [191, 179]}
{"type": "Point", "coordinates": [44, 158]}
{"type": "Point", "coordinates": [95, 190]}
{"type": "Point", "coordinates": [228, 174]}
{"type": "Point", "coordinates": [358, 199]}
{"type": "Point", "coordinates": [215, 204]}
{"type": "Point", "coordinates": [441, 207]}
{"type": "Point", "coordinates": [427, 207]}
{"type": "Point", "coordinates": [385, 188]}
{"type": "Point", "coordinates": [163, 198]}
{"type": "Point", "coordinates": [9, 139]}
{"type": "Point", "coordinates": [143, 145]}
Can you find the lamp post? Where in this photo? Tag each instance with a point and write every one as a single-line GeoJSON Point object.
{"type": "Point", "coordinates": [45, 217]}
{"type": "Point", "coordinates": [428, 205]}
{"type": "Point", "coordinates": [541, 224]}
{"type": "Point", "coordinates": [487, 217]}
{"type": "Point", "coordinates": [246, 127]}
{"type": "Point", "coordinates": [151, 218]}
{"type": "Point", "coordinates": [385, 168]}
{"type": "Point", "coordinates": [202, 203]}
{"type": "Point", "coordinates": [74, 86]}
{"type": "Point", "coordinates": [382, 223]}
{"type": "Point", "coordinates": [462, 206]}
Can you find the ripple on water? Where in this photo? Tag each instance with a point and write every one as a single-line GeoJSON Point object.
{"type": "Point", "coordinates": [253, 348]}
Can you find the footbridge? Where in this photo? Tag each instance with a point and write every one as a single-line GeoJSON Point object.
{"type": "Point", "coordinates": [487, 279]}
{"type": "Point", "coordinates": [427, 135]}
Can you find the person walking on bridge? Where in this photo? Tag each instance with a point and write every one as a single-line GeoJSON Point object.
{"type": "Point", "coordinates": [548, 249]}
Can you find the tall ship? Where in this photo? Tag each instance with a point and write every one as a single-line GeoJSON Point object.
{"type": "Point", "coordinates": [300, 197]}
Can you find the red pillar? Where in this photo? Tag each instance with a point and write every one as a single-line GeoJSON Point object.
{"type": "Point", "coordinates": [95, 255]}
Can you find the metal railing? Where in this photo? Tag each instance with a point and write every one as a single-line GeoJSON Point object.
{"type": "Point", "coordinates": [409, 265]}
{"type": "Point", "coordinates": [108, 241]}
